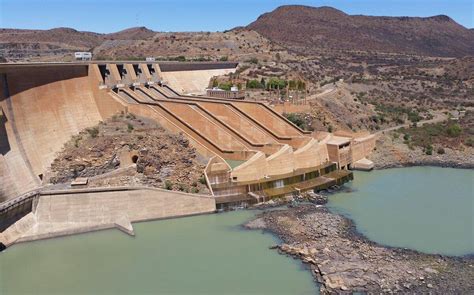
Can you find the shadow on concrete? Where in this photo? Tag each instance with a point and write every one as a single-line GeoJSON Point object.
{"type": "Point", "coordinates": [4, 143]}
{"type": "Point", "coordinates": [22, 78]}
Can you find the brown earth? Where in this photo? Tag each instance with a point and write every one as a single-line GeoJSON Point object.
{"type": "Point", "coordinates": [127, 150]}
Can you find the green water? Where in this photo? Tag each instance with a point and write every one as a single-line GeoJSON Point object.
{"type": "Point", "coordinates": [207, 254]}
{"type": "Point", "coordinates": [234, 163]}
{"type": "Point", "coordinates": [423, 208]}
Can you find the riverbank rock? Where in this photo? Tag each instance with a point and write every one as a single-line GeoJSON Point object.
{"type": "Point", "coordinates": [344, 261]}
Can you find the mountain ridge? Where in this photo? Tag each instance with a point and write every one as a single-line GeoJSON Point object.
{"type": "Point", "coordinates": [329, 28]}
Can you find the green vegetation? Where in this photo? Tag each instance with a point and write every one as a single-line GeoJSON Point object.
{"type": "Point", "coordinates": [447, 134]}
{"type": "Point", "coordinates": [276, 83]}
{"type": "Point", "coordinates": [202, 179]}
{"type": "Point", "coordinates": [296, 85]}
{"type": "Point", "coordinates": [182, 187]}
{"type": "Point", "coordinates": [168, 185]}
{"type": "Point", "coordinates": [397, 112]}
{"type": "Point", "coordinates": [179, 58]}
{"type": "Point", "coordinates": [454, 130]}
{"type": "Point", "coordinates": [129, 127]}
{"type": "Point", "coordinates": [298, 120]}
{"type": "Point", "coordinates": [224, 58]}
{"type": "Point", "coordinates": [252, 60]}
{"type": "Point", "coordinates": [77, 139]}
{"type": "Point", "coordinates": [225, 85]}
{"type": "Point", "coordinates": [255, 84]}
{"type": "Point", "coordinates": [428, 149]}
{"type": "Point", "coordinates": [93, 132]}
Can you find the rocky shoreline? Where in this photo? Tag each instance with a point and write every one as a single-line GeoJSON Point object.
{"type": "Point", "coordinates": [343, 261]}
{"type": "Point", "coordinates": [391, 153]}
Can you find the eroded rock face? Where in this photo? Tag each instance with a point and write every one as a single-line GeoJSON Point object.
{"type": "Point", "coordinates": [126, 150]}
{"type": "Point", "coordinates": [343, 261]}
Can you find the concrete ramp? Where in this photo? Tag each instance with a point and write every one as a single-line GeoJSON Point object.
{"type": "Point", "coordinates": [267, 118]}
{"type": "Point", "coordinates": [18, 230]}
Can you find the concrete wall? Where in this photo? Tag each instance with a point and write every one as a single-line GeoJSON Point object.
{"type": "Point", "coordinates": [254, 168]}
{"type": "Point", "coordinates": [361, 147]}
{"type": "Point", "coordinates": [44, 107]}
{"type": "Point", "coordinates": [68, 213]}
{"type": "Point", "coordinates": [193, 81]}
{"type": "Point", "coordinates": [311, 155]}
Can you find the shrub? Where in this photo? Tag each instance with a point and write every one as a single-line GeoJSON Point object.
{"type": "Point", "coordinates": [295, 119]}
{"type": "Point", "coordinates": [129, 127]}
{"type": "Point", "coordinates": [429, 150]}
{"type": "Point", "coordinates": [182, 187]}
{"type": "Point", "coordinates": [168, 185]}
{"type": "Point", "coordinates": [440, 151]}
{"type": "Point", "coordinates": [202, 179]}
{"type": "Point", "coordinates": [93, 132]}
{"type": "Point", "coordinates": [406, 136]}
{"type": "Point", "coordinates": [454, 130]}
{"type": "Point", "coordinates": [225, 85]}
{"type": "Point", "coordinates": [253, 84]}
{"type": "Point", "coordinates": [253, 60]}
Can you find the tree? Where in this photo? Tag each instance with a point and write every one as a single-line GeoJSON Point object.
{"type": "Point", "coordinates": [225, 85]}
{"type": "Point", "coordinates": [253, 84]}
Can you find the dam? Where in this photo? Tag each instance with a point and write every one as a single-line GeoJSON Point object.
{"type": "Point", "coordinates": [43, 105]}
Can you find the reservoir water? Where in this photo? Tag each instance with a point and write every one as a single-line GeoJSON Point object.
{"type": "Point", "coordinates": [423, 208]}
{"type": "Point", "coordinates": [209, 254]}
{"type": "Point", "coordinates": [428, 209]}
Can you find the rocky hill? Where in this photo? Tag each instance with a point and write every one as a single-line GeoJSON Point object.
{"type": "Point", "coordinates": [306, 28]}
{"type": "Point", "coordinates": [59, 43]}
{"type": "Point", "coordinates": [130, 150]}
{"type": "Point", "coordinates": [137, 33]}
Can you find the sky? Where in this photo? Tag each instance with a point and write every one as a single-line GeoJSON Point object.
{"type": "Point", "coordinates": [203, 15]}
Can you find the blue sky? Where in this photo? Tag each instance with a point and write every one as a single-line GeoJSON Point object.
{"type": "Point", "coordinates": [205, 15]}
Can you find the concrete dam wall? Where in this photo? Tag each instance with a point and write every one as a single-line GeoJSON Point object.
{"type": "Point", "coordinates": [42, 108]}
{"type": "Point", "coordinates": [43, 105]}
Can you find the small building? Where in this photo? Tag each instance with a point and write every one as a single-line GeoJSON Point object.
{"type": "Point", "coordinates": [233, 93]}
{"type": "Point", "coordinates": [82, 55]}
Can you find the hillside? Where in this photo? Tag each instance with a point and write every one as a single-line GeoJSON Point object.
{"type": "Point", "coordinates": [306, 28]}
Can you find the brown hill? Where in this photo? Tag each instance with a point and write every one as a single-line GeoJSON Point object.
{"type": "Point", "coordinates": [136, 33]}
{"type": "Point", "coordinates": [66, 36]}
{"type": "Point", "coordinates": [303, 27]}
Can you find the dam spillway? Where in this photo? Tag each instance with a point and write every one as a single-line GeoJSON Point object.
{"type": "Point", "coordinates": [43, 105]}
